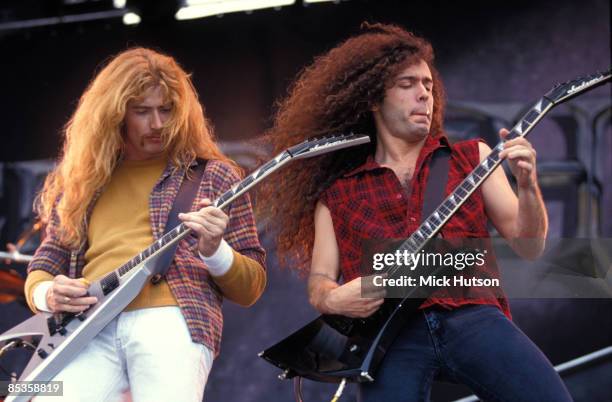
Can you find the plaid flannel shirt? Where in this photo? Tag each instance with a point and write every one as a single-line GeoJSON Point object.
{"type": "Point", "coordinates": [198, 297]}
{"type": "Point", "coordinates": [369, 202]}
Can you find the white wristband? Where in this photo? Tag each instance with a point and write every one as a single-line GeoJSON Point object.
{"type": "Point", "coordinates": [220, 262]}
{"type": "Point", "coordinates": [40, 295]}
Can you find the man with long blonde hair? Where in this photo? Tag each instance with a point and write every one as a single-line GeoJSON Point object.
{"type": "Point", "coordinates": [136, 132]}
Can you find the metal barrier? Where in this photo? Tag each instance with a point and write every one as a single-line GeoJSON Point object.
{"type": "Point", "coordinates": [564, 368]}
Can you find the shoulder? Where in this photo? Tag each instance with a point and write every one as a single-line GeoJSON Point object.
{"type": "Point", "coordinates": [221, 171]}
{"type": "Point", "coordinates": [337, 193]}
{"type": "Point", "coordinates": [472, 150]}
{"type": "Point", "coordinates": [468, 146]}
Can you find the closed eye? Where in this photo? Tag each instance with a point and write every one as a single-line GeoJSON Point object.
{"type": "Point", "coordinates": [409, 82]}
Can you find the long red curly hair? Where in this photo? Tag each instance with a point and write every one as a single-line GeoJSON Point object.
{"type": "Point", "coordinates": [335, 94]}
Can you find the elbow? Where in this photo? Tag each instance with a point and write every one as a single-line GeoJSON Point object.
{"type": "Point", "coordinates": [246, 302]}
{"type": "Point", "coordinates": [255, 292]}
{"type": "Point", "coordinates": [531, 256]}
{"type": "Point", "coordinates": [318, 300]}
{"type": "Point", "coordinates": [259, 286]}
{"type": "Point", "coordinates": [320, 287]}
{"type": "Point", "coordinates": [314, 298]}
{"type": "Point", "coordinates": [529, 249]}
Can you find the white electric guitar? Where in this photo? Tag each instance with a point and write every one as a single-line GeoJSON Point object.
{"type": "Point", "coordinates": [57, 338]}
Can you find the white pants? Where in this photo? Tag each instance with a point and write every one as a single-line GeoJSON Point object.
{"type": "Point", "coordinates": [148, 351]}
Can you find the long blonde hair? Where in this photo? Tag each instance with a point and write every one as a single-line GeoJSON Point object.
{"type": "Point", "coordinates": [93, 137]}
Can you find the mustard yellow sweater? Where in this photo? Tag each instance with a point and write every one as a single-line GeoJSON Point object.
{"type": "Point", "coordinates": [120, 228]}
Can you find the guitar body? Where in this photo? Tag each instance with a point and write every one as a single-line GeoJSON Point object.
{"type": "Point", "coordinates": [333, 347]}
{"type": "Point", "coordinates": [60, 337]}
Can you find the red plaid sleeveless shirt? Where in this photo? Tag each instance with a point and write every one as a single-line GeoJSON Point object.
{"type": "Point", "coordinates": [369, 203]}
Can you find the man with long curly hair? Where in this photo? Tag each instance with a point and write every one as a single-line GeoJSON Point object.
{"type": "Point", "coordinates": [383, 83]}
{"type": "Point", "coordinates": [137, 131]}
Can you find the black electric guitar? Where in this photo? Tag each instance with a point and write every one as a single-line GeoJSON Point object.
{"type": "Point", "coordinates": [57, 338]}
{"type": "Point", "coordinates": [332, 348]}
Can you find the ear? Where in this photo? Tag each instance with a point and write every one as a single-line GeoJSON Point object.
{"type": "Point", "coordinates": [375, 108]}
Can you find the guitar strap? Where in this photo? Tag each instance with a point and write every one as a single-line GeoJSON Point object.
{"type": "Point", "coordinates": [436, 181]}
{"type": "Point", "coordinates": [183, 202]}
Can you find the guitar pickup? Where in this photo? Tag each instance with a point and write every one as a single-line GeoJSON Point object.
{"type": "Point", "coordinates": [52, 325]}
{"type": "Point", "coordinates": [109, 283]}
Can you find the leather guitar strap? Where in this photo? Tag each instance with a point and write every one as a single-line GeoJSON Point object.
{"type": "Point", "coordinates": [182, 203]}
{"type": "Point", "coordinates": [436, 181]}
{"type": "Point", "coordinates": [434, 195]}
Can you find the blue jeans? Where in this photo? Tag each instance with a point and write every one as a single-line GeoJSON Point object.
{"type": "Point", "coordinates": [474, 345]}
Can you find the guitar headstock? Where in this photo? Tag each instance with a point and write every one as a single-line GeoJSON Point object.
{"type": "Point", "coordinates": [567, 90]}
{"type": "Point", "coordinates": [318, 146]}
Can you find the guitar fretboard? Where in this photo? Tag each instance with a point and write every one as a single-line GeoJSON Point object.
{"type": "Point", "coordinates": [434, 222]}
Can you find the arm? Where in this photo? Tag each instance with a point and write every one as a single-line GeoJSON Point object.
{"type": "Point", "coordinates": [45, 292]}
{"type": "Point", "coordinates": [324, 293]}
{"type": "Point", "coordinates": [241, 278]}
{"type": "Point", "coordinates": [47, 288]}
{"type": "Point", "coordinates": [228, 243]}
{"type": "Point", "coordinates": [244, 282]}
{"type": "Point", "coordinates": [521, 220]}
{"type": "Point", "coordinates": [325, 265]}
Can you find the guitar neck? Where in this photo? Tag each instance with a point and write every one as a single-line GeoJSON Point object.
{"type": "Point", "coordinates": [434, 222]}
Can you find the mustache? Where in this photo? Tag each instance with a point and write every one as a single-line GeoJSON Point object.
{"type": "Point", "coordinates": [159, 135]}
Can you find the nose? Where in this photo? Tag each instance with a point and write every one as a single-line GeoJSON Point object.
{"type": "Point", "coordinates": [156, 121]}
{"type": "Point", "coordinates": [423, 93]}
